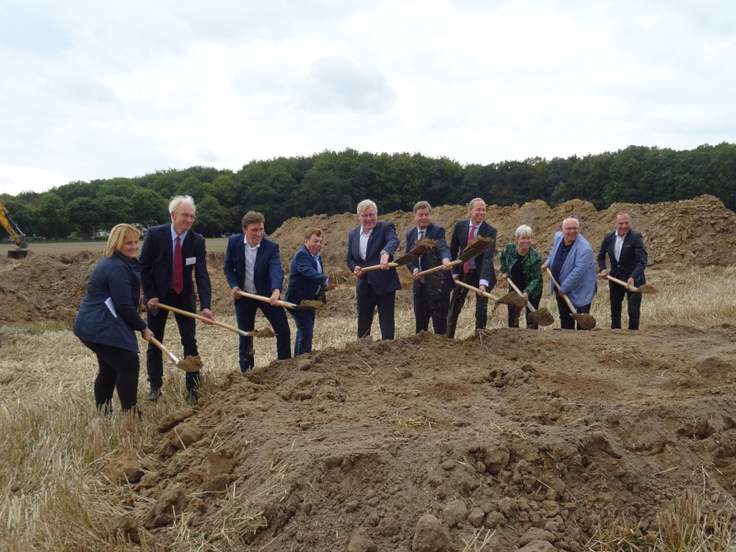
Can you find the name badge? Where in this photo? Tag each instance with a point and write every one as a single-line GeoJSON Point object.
{"type": "Point", "coordinates": [191, 261]}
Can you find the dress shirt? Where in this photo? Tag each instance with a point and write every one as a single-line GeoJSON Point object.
{"type": "Point", "coordinates": [619, 245]}
{"type": "Point", "coordinates": [364, 242]}
{"type": "Point", "coordinates": [250, 263]}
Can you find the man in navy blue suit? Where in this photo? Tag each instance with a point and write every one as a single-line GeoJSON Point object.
{"type": "Point", "coordinates": [431, 291]}
{"type": "Point", "coordinates": [158, 274]}
{"type": "Point", "coordinates": [478, 272]}
{"type": "Point", "coordinates": [628, 256]}
{"type": "Point", "coordinates": [370, 244]}
{"type": "Point", "coordinates": [307, 280]}
{"type": "Point", "coordinates": [253, 265]}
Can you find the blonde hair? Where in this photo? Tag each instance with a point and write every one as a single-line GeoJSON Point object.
{"type": "Point", "coordinates": [118, 236]}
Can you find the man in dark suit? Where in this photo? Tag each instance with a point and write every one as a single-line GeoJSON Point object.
{"type": "Point", "coordinates": [307, 280]}
{"type": "Point", "coordinates": [168, 255]}
{"type": "Point", "coordinates": [253, 265]}
{"type": "Point", "coordinates": [478, 272]}
{"type": "Point", "coordinates": [431, 291]}
{"type": "Point", "coordinates": [625, 249]}
{"type": "Point", "coordinates": [370, 244]}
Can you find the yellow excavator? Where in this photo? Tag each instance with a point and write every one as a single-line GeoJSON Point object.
{"type": "Point", "coordinates": [18, 237]}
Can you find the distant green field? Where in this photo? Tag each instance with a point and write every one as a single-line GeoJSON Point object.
{"type": "Point", "coordinates": [70, 248]}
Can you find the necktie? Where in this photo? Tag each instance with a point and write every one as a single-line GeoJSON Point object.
{"type": "Point", "coordinates": [178, 268]}
{"type": "Point", "coordinates": [419, 262]}
{"type": "Point", "coordinates": [466, 266]}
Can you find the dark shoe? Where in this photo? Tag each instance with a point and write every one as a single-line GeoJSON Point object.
{"type": "Point", "coordinates": [192, 398]}
{"type": "Point", "coordinates": [154, 394]}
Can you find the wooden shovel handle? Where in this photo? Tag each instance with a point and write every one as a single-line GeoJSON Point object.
{"type": "Point", "coordinates": [475, 289]}
{"type": "Point", "coordinates": [203, 318]}
{"type": "Point", "coordinates": [161, 346]}
{"type": "Point", "coordinates": [564, 296]}
{"type": "Point", "coordinates": [281, 303]}
{"type": "Point", "coordinates": [376, 267]}
{"type": "Point", "coordinates": [622, 283]}
{"type": "Point", "coordinates": [517, 290]}
{"type": "Point", "coordinates": [437, 268]}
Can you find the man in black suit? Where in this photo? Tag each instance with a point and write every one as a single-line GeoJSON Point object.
{"type": "Point", "coordinates": [370, 244]}
{"type": "Point", "coordinates": [479, 271]}
{"type": "Point", "coordinates": [253, 264]}
{"type": "Point", "coordinates": [168, 255]}
{"type": "Point", "coordinates": [431, 291]}
{"type": "Point", "coordinates": [625, 249]}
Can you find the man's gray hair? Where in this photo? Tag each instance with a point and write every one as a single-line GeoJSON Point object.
{"type": "Point", "coordinates": [524, 230]}
{"type": "Point", "coordinates": [363, 205]}
{"type": "Point", "coordinates": [472, 202]}
{"type": "Point", "coordinates": [178, 200]}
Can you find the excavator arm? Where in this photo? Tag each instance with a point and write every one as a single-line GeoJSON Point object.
{"type": "Point", "coordinates": [15, 233]}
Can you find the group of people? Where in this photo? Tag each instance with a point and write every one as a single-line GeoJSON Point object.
{"type": "Point", "coordinates": [173, 258]}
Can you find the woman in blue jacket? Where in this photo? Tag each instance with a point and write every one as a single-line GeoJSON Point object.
{"type": "Point", "coordinates": [108, 319]}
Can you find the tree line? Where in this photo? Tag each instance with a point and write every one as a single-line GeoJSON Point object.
{"type": "Point", "coordinates": [334, 182]}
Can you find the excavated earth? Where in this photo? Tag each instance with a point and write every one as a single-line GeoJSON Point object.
{"type": "Point", "coordinates": [421, 443]}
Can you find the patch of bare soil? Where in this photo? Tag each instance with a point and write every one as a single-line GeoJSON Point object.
{"type": "Point", "coordinates": [418, 443]}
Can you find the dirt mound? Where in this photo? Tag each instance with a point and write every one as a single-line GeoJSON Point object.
{"type": "Point", "coordinates": [386, 445]}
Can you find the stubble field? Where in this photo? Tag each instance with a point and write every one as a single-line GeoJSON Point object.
{"type": "Point", "coordinates": [511, 439]}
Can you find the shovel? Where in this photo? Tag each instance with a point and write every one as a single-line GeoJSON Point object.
{"type": "Point", "coordinates": [500, 300]}
{"type": "Point", "coordinates": [539, 316]}
{"type": "Point", "coordinates": [645, 288]}
{"type": "Point", "coordinates": [422, 247]}
{"type": "Point", "coordinates": [586, 321]}
{"type": "Point", "coordinates": [304, 305]}
{"type": "Point", "coordinates": [472, 250]}
{"type": "Point", "coordinates": [189, 364]}
{"type": "Point", "coordinates": [256, 333]}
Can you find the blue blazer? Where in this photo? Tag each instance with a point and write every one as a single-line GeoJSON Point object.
{"type": "Point", "coordinates": [484, 262]}
{"type": "Point", "coordinates": [383, 238]}
{"type": "Point", "coordinates": [577, 277]}
{"type": "Point", "coordinates": [632, 260]}
{"type": "Point", "coordinates": [305, 280]}
{"type": "Point", "coordinates": [157, 267]}
{"type": "Point", "coordinates": [268, 274]}
{"type": "Point", "coordinates": [437, 283]}
{"type": "Point", "coordinates": [115, 279]}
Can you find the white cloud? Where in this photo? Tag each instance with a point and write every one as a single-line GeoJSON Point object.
{"type": "Point", "coordinates": [108, 89]}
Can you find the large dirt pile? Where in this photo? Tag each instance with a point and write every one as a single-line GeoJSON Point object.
{"type": "Point", "coordinates": [417, 444]}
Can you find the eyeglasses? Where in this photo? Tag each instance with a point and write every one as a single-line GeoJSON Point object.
{"type": "Point", "coordinates": [368, 215]}
{"type": "Point", "coordinates": [571, 228]}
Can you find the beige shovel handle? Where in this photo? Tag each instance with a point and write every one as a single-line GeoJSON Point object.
{"type": "Point", "coordinates": [286, 304]}
{"type": "Point", "coordinates": [622, 283]}
{"type": "Point", "coordinates": [203, 318]}
{"type": "Point", "coordinates": [564, 296]}
{"type": "Point", "coordinates": [475, 289]}
{"type": "Point", "coordinates": [376, 267]}
{"type": "Point", "coordinates": [161, 346]}
{"type": "Point", "coordinates": [437, 268]}
{"type": "Point", "coordinates": [517, 290]}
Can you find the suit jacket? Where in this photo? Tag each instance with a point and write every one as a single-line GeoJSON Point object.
{"type": "Point", "coordinates": [305, 280]}
{"type": "Point", "coordinates": [437, 283]}
{"type": "Point", "coordinates": [268, 274]}
{"type": "Point", "coordinates": [157, 267]}
{"type": "Point", "coordinates": [632, 260]}
{"type": "Point", "coordinates": [383, 238]}
{"type": "Point", "coordinates": [578, 279]}
{"type": "Point", "coordinates": [484, 262]}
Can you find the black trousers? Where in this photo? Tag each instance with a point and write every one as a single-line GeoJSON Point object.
{"type": "Point", "coordinates": [367, 305]}
{"type": "Point", "coordinates": [245, 313]}
{"type": "Point", "coordinates": [515, 314]}
{"type": "Point", "coordinates": [187, 330]}
{"type": "Point", "coordinates": [458, 299]}
{"type": "Point", "coordinates": [633, 302]}
{"type": "Point", "coordinates": [567, 322]}
{"type": "Point", "coordinates": [119, 369]}
{"type": "Point", "coordinates": [426, 308]}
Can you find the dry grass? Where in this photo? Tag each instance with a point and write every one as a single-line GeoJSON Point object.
{"type": "Point", "coordinates": [56, 446]}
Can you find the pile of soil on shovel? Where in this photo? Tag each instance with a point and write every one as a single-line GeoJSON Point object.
{"type": "Point", "coordinates": [423, 443]}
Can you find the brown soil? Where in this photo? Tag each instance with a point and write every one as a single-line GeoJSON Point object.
{"type": "Point", "coordinates": [416, 444]}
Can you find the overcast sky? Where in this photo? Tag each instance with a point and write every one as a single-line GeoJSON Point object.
{"type": "Point", "coordinates": [104, 89]}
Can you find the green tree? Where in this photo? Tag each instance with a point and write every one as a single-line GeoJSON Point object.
{"type": "Point", "coordinates": [51, 214]}
{"type": "Point", "coordinates": [115, 210]}
{"type": "Point", "coordinates": [85, 213]}
{"type": "Point", "coordinates": [192, 187]}
{"type": "Point", "coordinates": [211, 218]}
{"type": "Point", "coordinates": [149, 208]}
